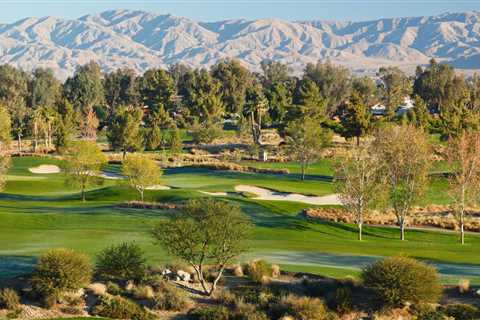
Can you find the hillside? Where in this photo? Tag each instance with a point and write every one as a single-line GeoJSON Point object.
{"type": "Point", "coordinates": [141, 40]}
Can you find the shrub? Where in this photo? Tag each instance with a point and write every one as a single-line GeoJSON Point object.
{"type": "Point", "coordinates": [399, 280]}
{"type": "Point", "coordinates": [342, 300]}
{"type": "Point", "coordinates": [275, 270]}
{"type": "Point", "coordinates": [426, 312]}
{"type": "Point", "coordinates": [258, 270]}
{"type": "Point", "coordinates": [211, 313]}
{"type": "Point", "coordinates": [120, 308]}
{"type": "Point", "coordinates": [9, 299]}
{"type": "Point", "coordinates": [206, 132]}
{"type": "Point", "coordinates": [301, 308]}
{"type": "Point", "coordinates": [461, 311]}
{"type": "Point", "coordinates": [113, 288]}
{"type": "Point", "coordinates": [172, 299]}
{"type": "Point", "coordinates": [125, 261]}
{"type": "Point", "coordinates": [61, 270]}
{"type": "Point", "coordinates": [246, 311]}
{"type": "Point", "coordinates": [463, 285]}
{"type": "Point", "coordinates": [143, 292]}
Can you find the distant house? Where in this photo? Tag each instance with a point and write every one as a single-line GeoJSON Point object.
{"type": "Point", "coordinates": [379, 109]}
{"type": "Point", "coordinates": [407, 105]}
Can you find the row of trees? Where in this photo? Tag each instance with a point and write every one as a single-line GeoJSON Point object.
{"type": "Point", "coordinates": [44, 109]}
{"type": "Point", "coordinates": [393, 168]}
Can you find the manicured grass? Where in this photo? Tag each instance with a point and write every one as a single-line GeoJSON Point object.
{"type": "Point", "coordinates": [38, 212]}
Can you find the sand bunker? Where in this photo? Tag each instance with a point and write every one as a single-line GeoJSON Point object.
{"type": "Point", "coordinates": [265, 194]}
{"type": "Point", "coordinates": [158, 187]}
{"type": "Point", "coordinates": [215, 194]}
{"type": "Point", "coordinates": [45, 169]}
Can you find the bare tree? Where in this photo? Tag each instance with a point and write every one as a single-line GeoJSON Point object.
{"type": "Point", "coordinates": [405, 154]}
{"type": "Point", "coordinates": [463, 155]}
{"type": "Point", "coordinates": [358, 182]}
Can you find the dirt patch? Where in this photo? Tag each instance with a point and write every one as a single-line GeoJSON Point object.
{"type": "Point", "coordinates": [45, 169]}
{"type": "Point", "coordinates": [266, 194]}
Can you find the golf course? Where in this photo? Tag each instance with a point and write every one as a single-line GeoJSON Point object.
{"type": "Point", "coordinates": [40, 211]}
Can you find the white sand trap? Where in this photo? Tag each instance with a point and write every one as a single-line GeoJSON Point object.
{"type": "Point", "coordinates": [158, 187]}
{"type": "Point", "coordinates": [110, 176]}
{"type": "Point", "coordinates": [214, 194]}
{"type": "Point", "coordinates": [265, 194]}
{"type": "Point", "coordinates": [45, 169]}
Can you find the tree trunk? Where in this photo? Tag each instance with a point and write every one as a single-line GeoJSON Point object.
{"type": "Point", "coordinates": [141, 195]}
{"type": "Point", "coordinates": [360, 230]}
{"type": "Point", "coordinates": [83, 195]}
{"type": "Point", "coordinates": [214, 284]}
{"type": "Point", "coordinates": [303, 171]}
{"type": "Point", "coordinates": [402, 230]}
{"type": "Point", "coordinates": [358, 140]}
{"type": "Point", "coordinates": [462, 233]}
{"type": "Point", "coordinates": [19, 143]}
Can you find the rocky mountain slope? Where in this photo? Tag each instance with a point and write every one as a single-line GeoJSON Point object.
{"type": "Point", "coordinates": [141, 40]}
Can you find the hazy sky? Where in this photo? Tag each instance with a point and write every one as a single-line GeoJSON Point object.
{"type": "Point", "coordinates": [211, 10]}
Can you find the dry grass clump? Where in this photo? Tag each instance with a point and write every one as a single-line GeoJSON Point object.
{"type": "Point", "coordinates": [463, 285]}
{"type": "Point", "coordinates": [275, 271]}
{"type": "Point", "coordinates": [238, 271]}
{"type": "Point", "coordinates": [143, 292]}
{"type": "Point", "coordinates": [171, 298]}
{"type": "Point", "coordinates": [301, 308]}
{"type": "Point", "coordinates": [9, 299]}
{"type": "Point", "coordinates": [259, 271]}
{"type": "Point", "coordinates": [97, 288]}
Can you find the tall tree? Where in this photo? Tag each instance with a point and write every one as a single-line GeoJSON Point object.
{"type": "Point", "coordinates": [394, 87]}
{"type": "Point", "coordinates": [234, 80]}
{"type": "Point", "coordinates": [308, 102]}
{"type": "Point", "coordinates": [255, 109]}
{"type": "Point", "coordinates": [305, 141]}
{"type": "Point", "coordinates": [84, 162]}
{"type": "Point", "coordinates": [366, 89]}
{"type": "Point", "coordinates": [124, 129]}
{"type": "Point", "coordinates": [5, 139]}
{"type": "Point", "coordinates": [44, 89]}
{"type": "Point", "coordinates": [206, 232]}
{"type": "Point", "coordinates": [202, 97]}
{"type": "Point", "coordinates": [67, 126]}
{"type": "Point", "coordinates": [419, 115]}
{"type": "Point", "coordinates": [334, 83]}
{"type": "Point", "coordinates": [357, 177]}
{"type": "Point", "coordinates": [13, 95]}
{"type": "Point", "coordinates": [141, 172]}
{"type": "Point", "coordinates": [355, 117]}
{"type": "Point", "coordinates": [405, 153]}
{"type": "Point", "coordinates": [157, 89]}
{"type": "Point", "coordinates": [122, 87]}
{"type": "Point", "coordinates": [439, 86]}
{"type": "Point", "coordinates": [463, 154]}
{"type": "Point", "coordinates": [85, 89]}
{"type": "Point", "coordinates": [157, 122]}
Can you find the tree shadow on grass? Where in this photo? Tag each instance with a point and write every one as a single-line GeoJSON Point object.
{"type": "Point", "coordinates": [12, 266]}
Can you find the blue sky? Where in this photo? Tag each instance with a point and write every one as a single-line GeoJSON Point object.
{"type": "Point", "coordinates": [213, 10]}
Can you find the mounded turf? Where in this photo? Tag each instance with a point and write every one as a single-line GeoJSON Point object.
{"type": "Point", "coordinates": [38, 212]}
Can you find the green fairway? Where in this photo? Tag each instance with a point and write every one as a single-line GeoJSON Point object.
{"type": "Point", "coordinates": [38, 212]}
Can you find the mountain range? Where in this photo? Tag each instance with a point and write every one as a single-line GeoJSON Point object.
{"type": "Point", "coordinates": [141, 40]}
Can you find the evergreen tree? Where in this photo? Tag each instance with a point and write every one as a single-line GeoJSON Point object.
{"type": "Point", "coordinates": [124, 129]}
{"type": "Point", "coordinates": [355, 118]}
